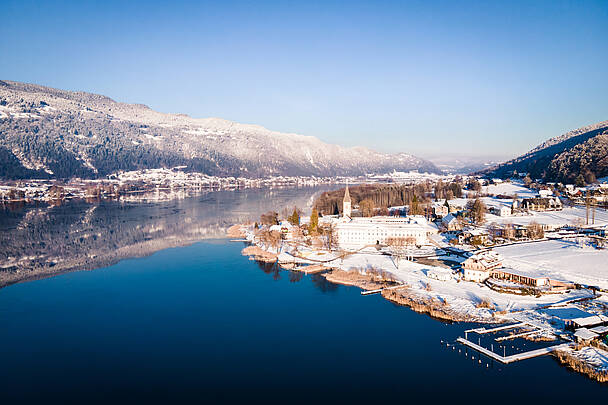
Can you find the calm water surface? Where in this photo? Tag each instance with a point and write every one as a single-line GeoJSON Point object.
{"type": "Point", "coordinates": [203, 323]}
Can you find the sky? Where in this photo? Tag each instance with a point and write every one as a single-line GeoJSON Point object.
{"type": "Point", "coordinates": [424, 77]}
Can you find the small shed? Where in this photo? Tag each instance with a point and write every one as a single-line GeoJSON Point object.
{"type": "Point", "coordinates": [584, 335]}
{"type": "Point", "coordinates": [600, 330]}
{"type": "Point", "coordinates": [586, 321]}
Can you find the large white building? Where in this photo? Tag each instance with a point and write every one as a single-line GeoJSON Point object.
{"type": "Point", "coordinates": [356, 233]}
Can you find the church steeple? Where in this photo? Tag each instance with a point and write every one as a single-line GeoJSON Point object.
{"type": "Point", "coordinates": [346, 204]}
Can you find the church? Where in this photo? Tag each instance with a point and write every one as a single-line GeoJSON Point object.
{"type": "Point", "coordinates": [356, 233]}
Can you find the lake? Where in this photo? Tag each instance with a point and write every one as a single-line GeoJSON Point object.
{"type": "Point", "coordinates": [203, 323]}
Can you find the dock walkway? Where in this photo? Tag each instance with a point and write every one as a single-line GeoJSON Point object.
{"type": "Point", "coordinates": [379, 290]}
{"type": "Point", "coordinates": [514, 357]}
{"type": "Point", "coordinates": [313, 268]}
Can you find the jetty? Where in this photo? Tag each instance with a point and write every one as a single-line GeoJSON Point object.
{"type": "Point", "coordinates": [514, 357]}
{"type": "Point", "coordinates": [379, 290]}
{"type": "Point", "coordinates": [313, 269]}
{"type": "Point", "coordinates": [482, 331]}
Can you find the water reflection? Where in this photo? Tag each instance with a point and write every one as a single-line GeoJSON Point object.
{"type": "Point", "coordinates": [271, 268]}
{"type": "Point", "coordinates": [41, 240]}
{"type": "Point", "coordinates": [318, 281]}
{"type": "Point", "coordinates": [295, 276]}
{"type": "Point", "coordinates": [322, 284]}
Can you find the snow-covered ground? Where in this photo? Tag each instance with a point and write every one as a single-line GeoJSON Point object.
{"type": "Point", "coordinates": [462, 296]}
{"type": "Point", "coordinates": [565, 217]}
{"type": "Point", "coordinates": [508, 189]}
{"type": "Point", "coordinates": [560, 260]}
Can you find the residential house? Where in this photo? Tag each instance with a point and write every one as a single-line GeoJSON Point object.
{"type": "Point", "coordinates": [440, 210]}
{"type": "Point", "coordinates": [542, 204]}
{"type": "Point", "coordinates": [501, 210]}
{"type": "Point", "coordinates": [474, 237]}
{"type": "Point", "coordinates": [451, 223]}
{"type": "Point", "coordinates": [477, 268]}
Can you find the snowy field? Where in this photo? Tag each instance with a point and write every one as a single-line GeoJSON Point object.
{"type": "Point", "coordinates": [568, 216]}
{"type": "Point", "coordinates": [560, 260]}
{"type": "Point", "coordinates": [508, 189]}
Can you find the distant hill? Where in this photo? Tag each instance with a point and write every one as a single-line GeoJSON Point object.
{"type": "Point", "coordinates": [51, 133]}
{"type": "Point", "coordinates": [583, 152]}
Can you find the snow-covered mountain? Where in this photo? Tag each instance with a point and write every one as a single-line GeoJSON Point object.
{"type": "Point", "coordinates": [46, 132]}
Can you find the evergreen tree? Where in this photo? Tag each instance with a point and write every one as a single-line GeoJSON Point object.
{"type": "Point", "coordinates": [415, 207]}
{"type": "Point", "coordinates": [314, 221]}
{"type": "Point", "coordinates": [294, 218]}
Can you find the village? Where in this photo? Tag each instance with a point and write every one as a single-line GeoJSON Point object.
{"type": "Point", "coordinates": [530, 256]}
{"type": "Point", "coordinates": [149, 185]}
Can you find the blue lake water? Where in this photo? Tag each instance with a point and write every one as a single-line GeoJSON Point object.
{"type": "Point", "coordinates": [203, 323]}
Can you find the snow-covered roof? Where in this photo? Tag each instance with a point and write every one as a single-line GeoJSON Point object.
{"type": "Point", "coordinates": [523, 273]}
{"type": "Point", "coordinates": [599, 329]}
{"type": "Point", "coordinates": [448, 219]}
{"type": "Point", "coordinates": [585, 334]}
{"type": "Point", "coordinates": [477, 232]}
{"type": "Point", "coordinates": [590, 320]}
{"type": "Point", "coordinates": [487, 259]}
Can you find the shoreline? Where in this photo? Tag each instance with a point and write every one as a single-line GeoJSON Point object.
{"type": "Point", "coordinates": [435, 307]}
{"type": "Point", "coordinates": [576, 364]}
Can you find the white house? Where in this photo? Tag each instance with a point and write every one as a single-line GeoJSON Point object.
{"type": "Point", "coordinates": [450, 223]}
{"type": "Point", "coordinates": [501, 210]}
{"type": "Point", "coordinates": [440, 210]}
{"type": "Point", "coordinates": [477, 268]}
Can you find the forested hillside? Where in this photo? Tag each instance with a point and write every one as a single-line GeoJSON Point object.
{"type": "Point", "coordinates": [577, 156]}
{"type": "Point", "coordinates": [51, 133]}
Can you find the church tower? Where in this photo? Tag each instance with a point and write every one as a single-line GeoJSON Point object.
{"type": "Point", "coordinates": [346, 204]}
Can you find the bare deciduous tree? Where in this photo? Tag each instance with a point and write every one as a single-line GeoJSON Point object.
{"type": "Point", "coordinates": [535, 231]}
{"type": "Point", "coordinates": [399, 247]}
{"type": "Point", "coordinates": [367, 208]}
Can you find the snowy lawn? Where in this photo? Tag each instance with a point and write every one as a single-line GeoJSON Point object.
{"type": "Point", "coordinates": [559, 260]}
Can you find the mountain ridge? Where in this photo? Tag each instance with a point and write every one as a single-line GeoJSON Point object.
{"type": "Point", "coordinates": [59, 133]}
{"type": "Point", "coordinates": [579, 152]}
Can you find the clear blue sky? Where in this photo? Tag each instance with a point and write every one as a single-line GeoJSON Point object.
{"type": "Point", "coordinates": [422, 77]}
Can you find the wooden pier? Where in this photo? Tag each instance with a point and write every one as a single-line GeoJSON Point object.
{"type": "Point", "coordinates": [514, 357]}
{"type": "Point", "coordinates": [482, 331]}
{"type": "Point", "coordinates": [518, 335]}
{"type": "Point", "coordinates": [379, 290]}
{"type": "Point", "coordinates": [313, 269]}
